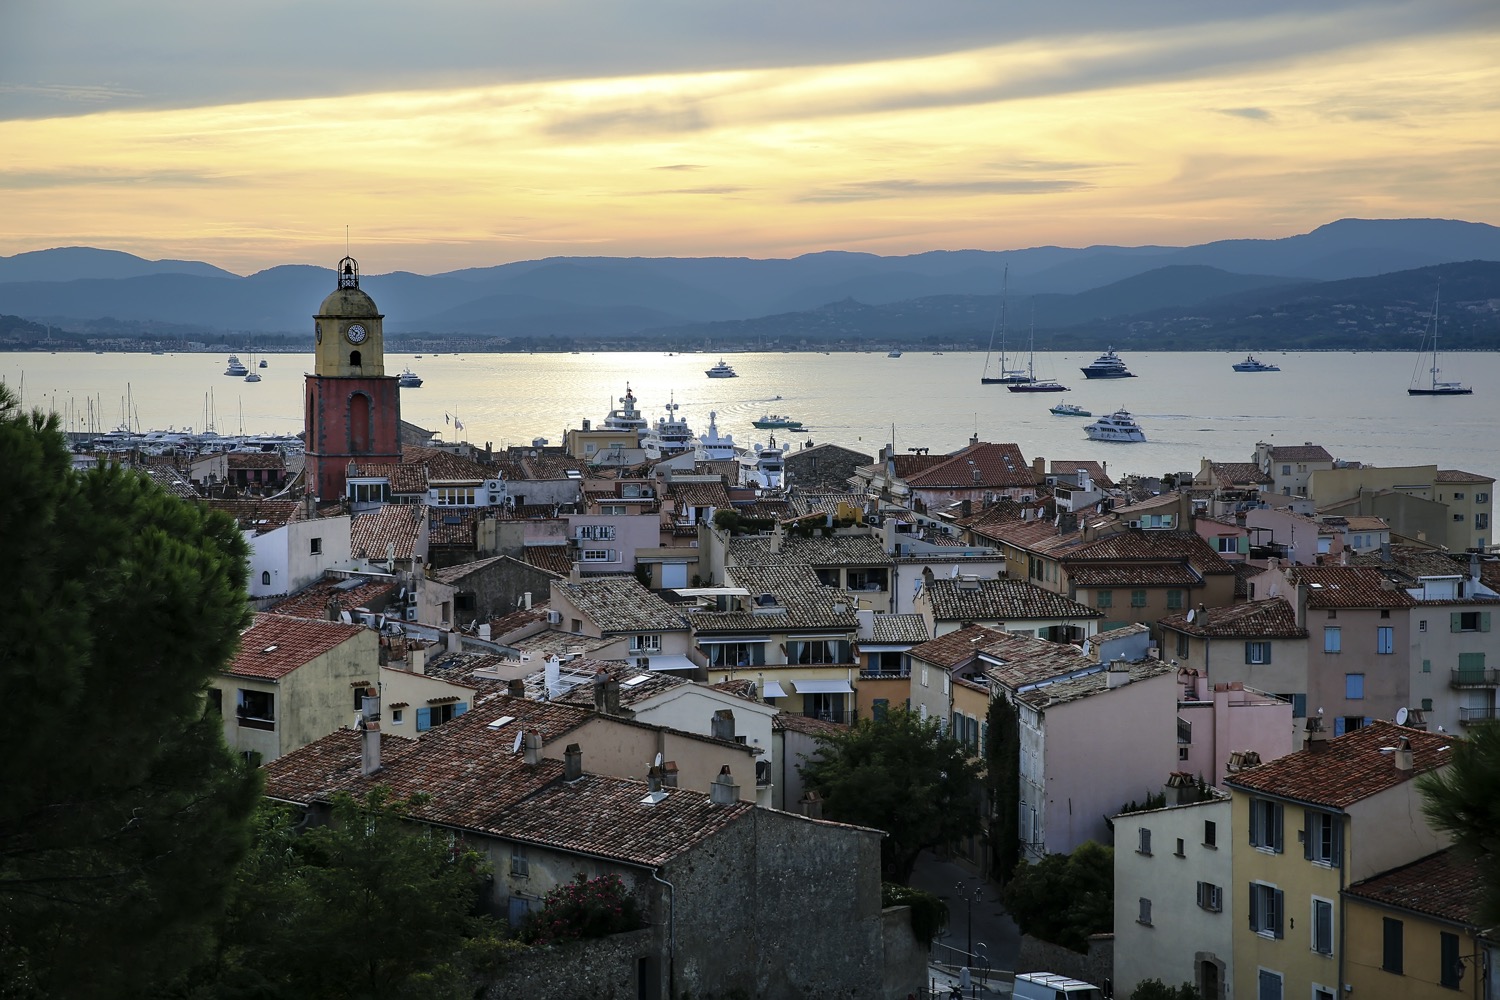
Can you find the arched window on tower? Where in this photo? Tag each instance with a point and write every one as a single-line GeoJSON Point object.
{"type": "Point", "coordinates": [354, 359]}
{"type": "Point", "coordinates": [361, 424]}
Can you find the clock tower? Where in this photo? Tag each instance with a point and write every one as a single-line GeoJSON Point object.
{"type": "Point", "coordinates": [353, 409]}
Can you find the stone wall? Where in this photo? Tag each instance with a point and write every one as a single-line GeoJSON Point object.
{"type": "Point", "coordinates": [1096, 967]}
{"type": "Point", "coordinates": [905, 957]}
{"type": "Point", "coordinates": [603, 969]}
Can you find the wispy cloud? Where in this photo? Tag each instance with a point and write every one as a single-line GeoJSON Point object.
{"type": "Point", "coordinates": [1254, 114]}
{"type": "Point", "coordinates": [908, 188]}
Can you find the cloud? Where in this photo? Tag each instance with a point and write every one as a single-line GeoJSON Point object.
{"type": "Point", "coordinates": [902, 188]}
{"type": "Point", "coordinates": [680, 166]}
{"type": "Point", "coordinates": [1255, 114]}
{"type": "Point", "coordinates": [23, 180]}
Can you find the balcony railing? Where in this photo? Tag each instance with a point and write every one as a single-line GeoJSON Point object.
{"type": "Point", "coordinates": [1475, 716]}
{"type": "Point", "coordinates": [247, 722]}
{"type": "Point", "coordinates": [884, 675]}
{"type": "Point", "coordinates": [1475, 677]}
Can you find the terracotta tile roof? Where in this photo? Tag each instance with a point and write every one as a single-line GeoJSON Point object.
{"type": "Point", "coordinates": [739, 687]}
{"type": "Point", "coordinates": [1349, 587]}
{"type": "Point", "coordinates": [805, 603]}
{"type": "Point", "coordinates": [259, 516]}
{"type": "Point", "coordinates": [172, 481]}
{"type": "Point", "coordinates": [699, 494]}
{"type": "Point", "coordinates": [906, 466]}
{"type": "Point", "coordinates": [1350, 768]}
{"type": "Point", "coordinates": [275, 645]}
{"type": "Point", "coordinates": [1119, 632]}
{"type": "Point", "coordinates": [399, 524]}
{"type": "Point", "coordinates": [1065, 467]}
{"type": "Point", "coordinates": [1409, 563]}
{"type": "Point", "coordinates": [445, 465]}
{"type": "Point", "coordinates": [1127, 575]}
{"type": "Point", "coordinates": [451, 526]}
{"type": "Point", "coordinates": [556, 641]}
{"type": "Point", "coordinates": [892, 630]}
{"type": "Point", "coordinates": [548, 558]}
{"type": "Point", "coordinates": [1152, 545]}
{"type": "Point", "coordinates": [621, 604]}
{"type": "Point", "coordinates": [792, 722]}
{"type": "Point", "coordinates": [255, 460]}
{"type": "Point", "coordinates": [1243, 574]}
{"type": "Point", "coordinates": [456, 572]}
{"type": "Point", "coordinates": [1445, 885]}
{"type": "Point", "coordinates": [1227, 474]}
{"type": "Point", "coordinates": [606, 818]}
{"type": "Point", "coordinates": [653, 684]}
{"type": "Point", "coordinates": [1002, 511]}
{"type": "Point", "coordinates": [347, 594]}
{"type": "Point", "coordinates": [1037, 535]}
{"type": "Point", "coordinates": [1002, 600]}
{"type": "Point", "coordinates": [1361, 523]}
{"type": "Point", "coordinates": [804, 503]}
{"type": "Point", "coordinates": [1273, 618]}
{"type": "Point", "coordinates": [764, 509]}
{"type": "Point", "coordinates": [1018, 660]}
{"type": "Point", "coordinates": [404, 479]}
{"type": "Point", "coordinates": [956, 648]}
{"type": "Point", "coordinates": [1308, 452]}
{"type": "Point", "coordinates": [1458, 476]}
{"type": "Point", "coordinates": [1061, 692]}
{"type": "Point", "coordinates": [1171, 499]}
{"type": "Point", "coordinates": [818, 550]}
{"type": "Point", "coordinates": [998, 465]}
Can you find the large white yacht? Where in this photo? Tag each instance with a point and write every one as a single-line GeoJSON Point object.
{"type": "Point", "coordinates": [762, 466]}
{"type": "Point", "coordinates": [1107, 365]}
{"type": "Point", "coordinates": [626, 417]}
{"type": "Point", "coordinates": [721, 370]}
{"type": "Point", "coordinates": [713, 446]}
{"type": "Point", "coordinates": [1116, 426]}
{"type": "Point", "coordinates": [670, 435]}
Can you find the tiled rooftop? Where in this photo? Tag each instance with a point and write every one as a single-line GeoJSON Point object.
{"type": "Point", "coordinates": [818, 550]}
{"type": "Point", "coordinates": [1067, 467]}
{"type": "Point", "coordinates": [405, 479]}
{"type": "Point", "coordinates": [621, 604]}
{"type": "Point", "coordinates": [312, 601]}
{"type": "Point", "coordinates": [1132, 575]}
{"type": "Point", "coordinates": [1350, 768]}
{"type": "Point", "coordinates": [1230, 474]}
{"type": "Point", "coordinates": [1273, 618]}
{"type": "Point", "coordinates": [249, 460]}
{"type": "Point", "coordinates": [1130, 545]}
{"type": "Point", "coordinates": [1445, 885]}
{"type": "Point", "coordinates": [693, 494]}
{"type": "Point", "coordinates": [1018, 660]}
{"type": "Point", "coordinates": [1076, 688]}
{"type": "Point", "coordinates": [1308, 452]}
{"type": "Point", "coordinates": [1459, 476]}
{"type": "Point", "coordinates": [804, 602]}
{"type": "Point", "coordinates": [956, 648]}
{"type": "Point", "coordinates": [548, 558]}
{"type": "Point", "coordinates": [275, 645]}
{"type": "Point", "coordinates": [808, 726]}
{"type": "Point", "coordinates": [635, 685]}
{"type": "Point", "coordinates": [1000, 599]}
{"type": "Point", "coordinates": [893, 630]}
{"type": "Point", "coordinates": [259, 516]}
{"type": "Point", "coordinates": [998, 466]}
{"type": "Point", "coordinates": [395, 524]}
{"type": "Point", "coordinates": [1349, 587]}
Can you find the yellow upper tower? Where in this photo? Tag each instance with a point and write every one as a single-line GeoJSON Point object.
{"type": "Point", "coordinates": [347, 329]}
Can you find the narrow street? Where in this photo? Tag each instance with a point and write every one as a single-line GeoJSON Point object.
{"type": "Point", "coordinates": [975, 909]}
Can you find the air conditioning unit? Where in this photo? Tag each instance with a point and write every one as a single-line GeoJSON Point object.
{"type": "Point", "coordinates": [554, 618]}
{"type": "Point", "coordinates": [411, 613]}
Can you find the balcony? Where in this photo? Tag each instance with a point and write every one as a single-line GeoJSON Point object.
{"type": "Point", "coordinates": [1476, 716]}
{"type": "Point", "coordinates": [884, 675]}
{"type": "Point", "coordinates": [1475, 677]}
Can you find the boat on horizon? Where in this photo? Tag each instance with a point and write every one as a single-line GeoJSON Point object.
{"type": "Point", "coordinates": [1107, 365]}
{"type": "Point", "coordinates": [721, 370]}
{"type": "Point", "coordinates": [776, 421]}
{"type": "Point", "coordinates": [236, 367]}
{"type": "Point", "coordinates": [1007, 376]}
{"type": "Point", "coordinates": [1118, 426]}
{"type": "Point", "coordinates": [1253, 364]}
{"type": "Point", "coordinates": [1069, 410]}
{"type": "Point", "coordinates": [409, 379]}
{"type": "Point", "coordinates": [1435, 386]}
{"type": "Point", "coordinates": [894, 353]}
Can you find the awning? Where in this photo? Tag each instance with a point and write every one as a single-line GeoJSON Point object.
{"type": "Point", "coordinates": [822, 637]}
{"type": "Point", "coordinates": [885, 647]}
{"type": "Point", "coordinates": [772, 689]}
{"type": "Point", "coordinates": [725, 640]}
{"type": "Point", "coordinates": [668, 661]}
{"type": "Point", "coordinates": [822, 687]}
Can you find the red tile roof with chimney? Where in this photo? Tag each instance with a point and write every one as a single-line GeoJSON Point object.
{"type": "Point", "coordinates": [997, 465]}
{"type": "Point", "coordinates": [1348, 768]}
{"type": "Point", "coordinates": [1445, 885]}
{"type": "Point", "coordinates": [275, 645]}
{"type": "Point", "coordinates": [1349, 587]}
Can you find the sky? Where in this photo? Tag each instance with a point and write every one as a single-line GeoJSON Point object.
{"type": "Point", "coordinates": [463, 133]}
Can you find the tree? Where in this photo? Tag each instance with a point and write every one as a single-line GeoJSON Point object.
{"type": "Point", "coordinates": [1463, 801]}
{"type": "Point", "coordinates": [1155, 989]}
{"type": "Point", "coordinates": [367, 906]}
{"type": "Point", "coordinates": [124, 813]}
{"type": "Point", "coordinates": [901, 775]}
{"type": "Point", "coordinates": [1003, 781]}
{"type": "Point", "coordinates": [1065, 898]}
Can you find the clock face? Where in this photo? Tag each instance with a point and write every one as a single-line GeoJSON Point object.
{"type": "Point", "coordinates": [356, 334]}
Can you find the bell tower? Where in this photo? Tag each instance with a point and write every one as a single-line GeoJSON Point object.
{"type": "Point", "coordinates": [353, 409]}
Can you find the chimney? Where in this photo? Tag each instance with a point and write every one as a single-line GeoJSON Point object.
{"type": "Point", "coordinates": [369, 746]}
{"type": "Point", "coordinates": [1402, 757]}
{"type": "Point", "coordinates": [866, 618]}
{"type": "Point", "coordinates": [1316, 740]}
{"type": "Point", "coordinates": [1118, 674]}
{"type": "Point", "coordinates": [484, 631]}
{"type": "Point", "coordinates": [776, 536]}
{"type": "Point", "coordinates": [654, 778]}
{"type": "Point", "coordinates": [572, 762]}
{"type": "Point", "coordinates": [669, 774]}
{"type": "Point", "coordinates": [1039, 469]}
{"type": "Point", "coordinates": [723, 791]}
{"type": "Point", "coordinates": [974, 440]}
{"type": "Point", "coordinates": [552, 677]}
{"type": "Point", "coordinates": [965, 507]}
{"type": "Point", "coordinates": [526, 600]}
{"type": "Point", "coordinates": [516, 688]}
{"type": "Point", "coordinates": [310, 507]}
{"type": "Point", "coordinates": [533, 748]}
{"type": "Point", "coordinates": [611, 697]}
{"type": "Point", "coordinates": [331, 609]}
{"type": "Point", "coordinates": [1180, 788]}
{"type": "Point", "coordinates": [811, 804]}
{"type": "Point", "coordinates": [721, 726]}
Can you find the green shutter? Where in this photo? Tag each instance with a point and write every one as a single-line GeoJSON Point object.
{"type": "Point", "coordinates": [1455, 622]}
{"type": "Point", "coordinates": [1484, 621]}
{"type": "Point", "coordinates": [1244, 545]}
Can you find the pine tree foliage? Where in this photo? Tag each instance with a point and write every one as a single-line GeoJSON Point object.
{"type": "Point", "coordinates": [901, 775]}
{"type": "Point", "coordinates": [1065, 898]}
{"type": "Point", "coordinates": [124, 814]}
{"type": "Point", "coordinates": [1003, 778]}
{"type": "Point", "coordinates": [1463, 800]}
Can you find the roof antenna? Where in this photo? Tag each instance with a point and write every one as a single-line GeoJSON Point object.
{"type": "Point", "coordinates": [346, 241]}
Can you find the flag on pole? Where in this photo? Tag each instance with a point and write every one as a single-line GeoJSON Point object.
{"type": "Point", "coordinates": [458, 424]}
{"type": "Point", "coordinates": [447, 419]}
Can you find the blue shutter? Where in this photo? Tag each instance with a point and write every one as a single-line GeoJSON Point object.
{"type": "Point", "coordinates": [460, 709]}
{"type": "Point", "coordinates": [424, 719]}
{"type": "Point", "coordinates": [1254, 907]}
{"type": "Point", "coordinates": [1299, 706]}
{"type": "Point", "coordinates": [1338, 726]}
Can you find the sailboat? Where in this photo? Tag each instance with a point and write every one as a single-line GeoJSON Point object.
{"type": "Point", "coordinates": [1435, 386]}
{"type": "Point", "coordinates": [1032, 383]}
{"type": "Point", "coordinates": [1006, 376]}
{"type": "Point", "coordinates": [250, 375]}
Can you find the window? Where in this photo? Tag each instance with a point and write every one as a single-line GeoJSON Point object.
{"type": "Point", "coordinates": [1226, 544]}
{"type": "Point", "coordinates": [1385, 612]}
{"type": "Point", "coordinates": [1144, 917]}
{"type": "Point", "coordinates": [1392, 958]}
{"type": "Point", "coordinates": [436, 715]}
{"type": "Point", "coordinates": [1333, 639]}
{"type": "Point", "coordinates": [216, 701]}
{"type": "Point", "coordinates": [598, 555]}
{"type": "Point", "coordinates": [1268, 985]}
{"type": "Point", "coordinates": [398, 716]}
{"type": "Point", "coordinates": [1210, 897]}
{"type": "Point", "coordinates": [1322, 838]}
{"type": "Point", "coordinates": [1180, 852]}
{"type": "Point", "coordinates": [1385, 639]}
{"type": "Point", "coordinates": [1426, 704]}
{"type": "Point", "coordinates": [1469, 621]}
{"type": "Point", "coordinates": [1210, 833]}
{"type": "Point", "coordinates": [1286, 470]}
{"type": "Point", "coordinates": [596, 532]}
{"type": "Point", "coordinates": [1450, 966]}
{"type": "Point", "coordinates": [1470, 669]}
{"type": "Point", "coordinates": [867, 579]}
{"type": "Point", "coordinates": [1481, 520]}
{"type": "Point", "coordinates": [1265, 909]}
{"type": "Point", "coordinates": [256, 709]}
{"type": "Point", "coordinates": [1422, 625]}
{"type": "Point", "coordinates": [1458, 496]}
{"type": "Point", "coordinates": [1184, 644]}
{"type": "Point", "coordinates": [924, 676]}
{"type": "Point", "coordinates": [880, 708]}
{"type": "Point", "coordinates": [1322, 926]}
{"type": "Point", "coordinates": [1265, 825]}
{"type": "Point", "coordinates": [1174, 600]}
{"type": "Point", "coordinates": [816, 651]}
{"type": "Point", "coordinates": [1184, 752]}
{"type": "Point", "coordinates": [947, 681]}
{"type": "Point", "coordinates": [519, 866]}
{"type": "Point", "coordinates": [1322, 992]}
{"type": "Point", "coordinates": [1481, 498]}
{"type": "Point", "coordinates": [265, 578]}
{"type": "Point", "coordinates": [1104, 599]}
{"type": "Point", "coordinates": [645, 644]}
{"type": "Point", "coordinates": [1458, 517]}
{"type": "Point", "coordinates": [1354, 686]}
{"type": "Point", "coordinates": [1257, 652]}
{"type": "Point", "coordinates": [316, 546]}
{"type": "Point", "coordinates": [1143, 844]}
{"type": "Point", "coordinates": [736, 654]}
{"type": "Point", "coordinates": [1137, 598]}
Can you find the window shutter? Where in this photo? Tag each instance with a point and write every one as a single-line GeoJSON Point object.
{"type": "Point", "coordinates": [460, 709]}
{"type": "Point", "coordinates": [1255, 808]}
{"type": "Point", "coordinates": [1308, 833]}
{"type": "Point", "coordinates": [1338, 841]}
{"type": "Point", "coordinates": [1277, 900]}
{"type": "Point", "coordinates": [1266, 652]}
{"type": "Point", "coordinates": [424, 719]}
{"type": "Point", "coordinates": [1244, 545]}
{"type": "Point", "coordinates": [1323, 928]}
{"type": "Point", "coordinates": [1249, 652]}
{"type": "Point", "coordinates": [1484, 621]}
{"type": "Point", "coordinates": [1254, 907]}
{"type": "Point", "coordinates": [1338, 726]}
{"type": "Point", "coordinates": [1299, 706]}
{"type": "Point", "coordinates": [1455, 622]}
{"type": "Point", "coordinates": [984, 739]}
{"type": "Point", "coordinates": [1277, 822]}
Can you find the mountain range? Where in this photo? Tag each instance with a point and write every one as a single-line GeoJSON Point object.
{"type": "Point", "coordinates": [1376, 276]}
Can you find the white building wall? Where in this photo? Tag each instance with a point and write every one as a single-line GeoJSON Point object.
{"type": "Point", "coordinates": [304, 566]}
{"type": "Point", "coordinates": [269, 554]}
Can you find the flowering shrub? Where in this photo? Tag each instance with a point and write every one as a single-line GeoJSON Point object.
{"type": "Point", "coordinates": [583, 908]}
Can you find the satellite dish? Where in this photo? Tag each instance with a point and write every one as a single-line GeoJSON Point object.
{"type": "Point", "coordinates": [1192, 613]}
{"type": "Point", "coordinates": [1401, 715]}
{"type": "Point", "coordinates": [658, 760]}
{"type": "Point", "coordinates": [516, 746]}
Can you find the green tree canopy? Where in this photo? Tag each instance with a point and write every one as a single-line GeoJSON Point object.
{"type": "Point", "coordinates": [1064, 898]}
{"type": "Point", "coordinates": [1463, 800]}
{"type": "Point", "coordinates": [901, 775]}
{"type": "Point", "coordinates": [124, 814]}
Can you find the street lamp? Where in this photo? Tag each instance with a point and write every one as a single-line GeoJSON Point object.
{"type": "Point", "coordinates": [970, 898]}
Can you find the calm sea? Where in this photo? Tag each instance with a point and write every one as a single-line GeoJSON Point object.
{"type": "Point", "coordinates": [1190, 405]}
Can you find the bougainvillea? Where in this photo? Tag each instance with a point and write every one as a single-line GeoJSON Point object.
{"type": "Point", "coordinates": [583, 908]}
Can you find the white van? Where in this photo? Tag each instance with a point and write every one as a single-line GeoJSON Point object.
{"type": "Point", "coordinates": [1050, 986]}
